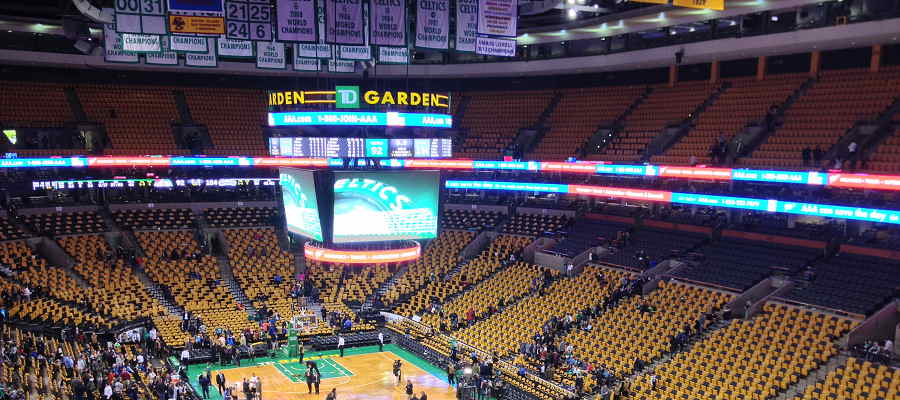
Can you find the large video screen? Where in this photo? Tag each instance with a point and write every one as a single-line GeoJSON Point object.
{"type": "Point", "coordinates": [382, 205]}
{"type": "Point", "coordinates": [301, 209]}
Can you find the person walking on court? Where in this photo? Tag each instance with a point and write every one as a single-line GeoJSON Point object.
{"type": "Point", "coordinates": [258, 383]}
{"type": "Point", "coordinates": [220, 382]}
{"type": "Point", "coordinates": [380, 341]}
{"type": "Point", "coordinates": [204, 385]}
{"type": "Point", "coordinates": [423, 396]}
{"type": "Point", "coordinates": [397, 372]}
{"type": "Point", "coordinates": [332, 395]}
{"type": "Point", "coordinates": [451, 373]}
{"type": "Point", "coordinates": [300, 350]}
{"type": "Point", "coordinates": [341, 344]}
{"type": "Point", "coordinates": [246, 388]}
{"type": "Point", "coordinates": [310, 378]}
{"type": "Point", "coordinates": [409, 389]}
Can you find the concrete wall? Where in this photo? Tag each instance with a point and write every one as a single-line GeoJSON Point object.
{"type": "Point", "coordinates": [501, 209]}
{"type": "Point", "coordinates": [195, 207]}
{"type": "Point", "coordinates": [544, 211]}
{"type": "Point", "coordinates": [538, 245]}
{"type": "Point", "coordinates": [51, 210]}
{"type": "Point", "coordinates": [880, 326]}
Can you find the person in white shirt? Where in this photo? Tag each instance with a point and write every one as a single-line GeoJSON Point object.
{"type": "Point", "coordinates": [380, 341]}
{"type": "Point", "coordinates": [341, 344]}
{"type": "Point", "coordinates": [185, 355]}
{"type": "Point", "coordinates": [888, 346]}
{"type": "Point", "coordinates": [153, 334]}
{"type": "Point", "coordinates": [108, 391]}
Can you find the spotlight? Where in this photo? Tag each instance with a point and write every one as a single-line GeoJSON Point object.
{"type": "Point", "coordinates": [774, 18]}
{"type": "Point", "coordinates": [572, 13]}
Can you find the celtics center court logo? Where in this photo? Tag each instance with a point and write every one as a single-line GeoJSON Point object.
{"type": "Point", "coordinates": [375, 210]}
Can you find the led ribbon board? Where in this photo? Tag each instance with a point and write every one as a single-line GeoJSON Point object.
{"type": "Point", "coordinates": [361, 256]}
{"type": "Point", "coordinates": [832, 179]}
{"type": "Point", "coordinates": [744, 203]}
{"type": "Point", "coordinates": [354, 118]}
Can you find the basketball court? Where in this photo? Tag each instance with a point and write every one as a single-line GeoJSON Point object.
{"type": "Point", "coordinates": [363, 373]}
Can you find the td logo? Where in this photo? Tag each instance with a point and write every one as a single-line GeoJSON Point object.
{"type": "Point", "coordinates": [346, 96]}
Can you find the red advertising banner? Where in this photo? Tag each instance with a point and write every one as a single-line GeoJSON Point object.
{"type": "Point", "coordinates": [361, 256]}
{"type": "Point", "coordinates": [695, 172]}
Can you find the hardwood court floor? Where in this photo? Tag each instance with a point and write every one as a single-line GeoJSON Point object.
{"type": "Point", "coordinates": [363, 374]}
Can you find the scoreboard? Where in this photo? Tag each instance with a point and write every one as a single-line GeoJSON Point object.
{"type": "Point", "coordinates": [341, 147]}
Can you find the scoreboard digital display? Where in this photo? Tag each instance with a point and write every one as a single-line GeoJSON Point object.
{"type": "Point", "coordinates": [340, 147]}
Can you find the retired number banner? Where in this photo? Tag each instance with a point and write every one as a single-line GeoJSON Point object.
{"type": "Point", "coordinates": [433, 24]}
{"type": "Point", "coordinates": [466, 24]}
{"type": "Point", "coordinates": [387, 26]}
{"type": "Point", "coordinates": [344, 22]}
{"type": "Point", "coordinates": [296, 21]}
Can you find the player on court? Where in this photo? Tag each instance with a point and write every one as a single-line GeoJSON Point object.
{"type": "Point", "coordinates": [397, 372]}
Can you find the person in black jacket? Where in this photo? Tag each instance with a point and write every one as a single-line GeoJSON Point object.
{"type": "Point", "coordinates": [409, 389]}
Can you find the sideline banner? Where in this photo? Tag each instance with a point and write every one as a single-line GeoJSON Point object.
{"type": "Point", "coordinates": [296, 21]}
{"type": "Point", "coordinates": [497, 17]}
{"type": "Point", "coordinates": [344, 22]}
{"type": "Point", "coordinates": [387, 26]}
{"type": "Point", "coordinates": [433, 24]}
{"type": "Point", "coordinates": [466, 24]}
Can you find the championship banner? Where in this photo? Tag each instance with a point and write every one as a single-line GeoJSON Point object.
{"type": "Point", "coordinates": [306, 64]}
{"type": "Point", "coordinates": [113, 47]}
{"type": "Point", "coordinates": [202, 60]}
{"type": "Point", "coordinates": [387, 26]}
{"type": "Point", "coordinates": [270, 55]}
{"type": "Point", "coordinates": [466, 24]}
{"type": "Point", "coordinates": [189, 44]}
{"type": "Point", "coordinates": [201, 17]}
{"type": "Point", "coordinates": [497, 17]}
{"type": "Point", "coordinates": [234, 48]}
{"type": "Point", "coordinates": [164, 57]}
{"type": "Point", "coordinates": [393, 55]}
{"type": "Point", "coordinates": [248, 20]}
{"type": "Point", "coordinates": [141, 16]}
{"type": "Point", "coordinates": [433, 24]}
{"type": "Point", "coordinates": [705, 4]}
{"type": "Point", "coordinates": [296, 21]}
{"type": "Point", "coordinates": [306, 50]}
{"type": "Point", "coordinates": [496, 47]}
{"type": "Point", "coordinates": [344, 22]}
{"type": "Point", "coordinates": [141, 43]}
{"type": "Point", "coordinates": [358, 53]}
{"type": "Point", "coordinates": [341, 66]}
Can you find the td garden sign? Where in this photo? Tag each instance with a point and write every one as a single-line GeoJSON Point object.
{"type": "Point", "coordinates": [351, 97]}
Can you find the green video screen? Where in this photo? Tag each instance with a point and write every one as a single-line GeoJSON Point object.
{"type": "Point", "coordinates": [301, 209]}
{"type": "Point", "coordinates": [381, 205]}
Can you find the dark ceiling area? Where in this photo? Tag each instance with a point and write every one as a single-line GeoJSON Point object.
{"type": "Point", "coordinates": [56, 9]}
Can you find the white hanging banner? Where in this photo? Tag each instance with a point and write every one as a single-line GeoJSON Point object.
{"type": "Point", "coordinates": [189, 44]}
{"type": "Point", "coordinates": [433, 24]}
{"type": "Point", "coordinates": [307, 64]}
{"type": "Point", "coordinates": [466, 24]}
{"type": "Point", "coordinates": [393, 55]}
{"type": "Point", "coordinates": [202, 60]}
{"type": "Point", "coordinates": [307, 50]}
{"type": "Point", "coordinates": [344, 22]}
{"type": "Point", "coordinates": [141, 43]}
{"type": "Point", "coordinates": [113, 50]}
{"type": "Point", "coordinates": [361, 53]}
{"type": "Point", "coordinates": [234, 48]}
{"type": "Point", "coordinates": [342, 66]}
{"type": "Point", "coordinates": [388, 22]}
{"type": "Point", "coordinates": [296, 21]}
{"type": "Point", "coordinates": [270, 55]}
{"type": "Point", "coordinates": [164, 57]}
{"type": "Point", "coordinates": [496, 47]}
{"type": "Point", "coordinates": [497, 17]}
